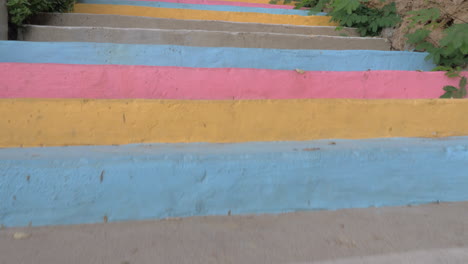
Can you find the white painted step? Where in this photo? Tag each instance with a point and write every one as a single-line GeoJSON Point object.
{"type": "Point", "coordinates": [199, 38]}
{"type": "Point", "coordinates": [116, 21]}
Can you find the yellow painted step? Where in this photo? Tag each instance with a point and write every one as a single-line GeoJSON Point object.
{"type": "Point", "coordinates": [193, 14]}
{"type": "Point", "coordinates": [56, 122]}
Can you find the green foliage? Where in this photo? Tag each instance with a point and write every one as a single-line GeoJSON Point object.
{"type": "Point", "coordinates": [451, 51]}
{"type": "Point", "coordinates": [368, 21]}
{"type": "Point", "coordinates": [426, 17]}
{"type": "Point", "coordinates": [454, 92]}
{"type": "Point", "coordinates": [316, 7]}
{"type": "Point", "coordinates": [453, 48]}
{"type": "Point", "coordinates": [20, 10]}
{"type": "Point", "coordinates": [450, 72]}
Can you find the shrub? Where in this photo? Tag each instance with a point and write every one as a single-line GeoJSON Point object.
{"type": "Point", "coordinates": [20, 11]}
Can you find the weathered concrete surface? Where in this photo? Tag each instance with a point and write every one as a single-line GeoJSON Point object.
{"type": "Point", "coordinates": [48, 80]}
{"type": "Point", "coordinates": [84, 184]}
{"type": "Point", "coordinates": [223, 8]}
{"type": "Point", "coordinates": [410, 235]}
{"type": "Point", "coordinates": [193, 14]}
{"type": "Point", "coordinates": [117, 21]}
{"type": "Point", "coordinates": [3, 20]}
{"type": "Point", "coordinates": [433, 256]}
{"type": "Point", "coordinates": [199, 38]}
{"type": "Point", "coordinates": [59, 122]}
{"type": "Point", "coordinates": [228, 3]}
{"type": "Point", "coordinates": [211, 57]}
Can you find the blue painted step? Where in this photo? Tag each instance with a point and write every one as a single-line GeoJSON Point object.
{"type": "Point", "coordinates": [82, 184]}
{"type": "Point", "coordinates": [211, 57]}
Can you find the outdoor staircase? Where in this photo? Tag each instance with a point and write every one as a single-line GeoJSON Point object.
{"type": "Point", "coordinates": [130, 110]}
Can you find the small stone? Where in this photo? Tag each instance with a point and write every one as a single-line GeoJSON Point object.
{"type": "Point", "coordinates": [300, 71]}
{"type": "Point", "coordinates": [21, 235]}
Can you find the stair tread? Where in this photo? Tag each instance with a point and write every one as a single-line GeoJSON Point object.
{"type": "Point", "coordinates": [199, 38]}
{"type": "Point", "coordinates": [120, 21]}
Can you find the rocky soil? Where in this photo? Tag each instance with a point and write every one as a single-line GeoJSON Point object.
{"type": "Point", "coordinates": [454, 11]}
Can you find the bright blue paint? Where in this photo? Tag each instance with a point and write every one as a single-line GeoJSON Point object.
{"type": "Point", "coordinates": [204, 7]}
{"type": "Point", "coordinates": [209, 57]}
{"type": "Point", "coordinates": [176, 180]}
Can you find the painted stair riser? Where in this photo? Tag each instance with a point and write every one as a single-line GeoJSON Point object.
{"type": "Point", "coordinates": [192, 14]}
{"type": "Point", "coordinates": [266, 2]}
{"type": "Point", "coordinates": [58, 122]}
{"type": "Point", "coordinates": [204, 57]}
{"type": "Point", "coordinates": [226, 8]}
{"type": "Point", "coordinates": [93, 20]}
{"type": "Point", "coordinates": [76, 185]}
{"type": "Point", "coordinates": [218, 2]}
{"type": "Point", "coordinates": [152, 82]}
{"type": "Point", "coordinates": [199, 38]}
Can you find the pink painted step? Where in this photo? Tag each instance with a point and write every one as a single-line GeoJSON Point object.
{"type": "Point", "coordinates": [214, 2]}
{"type": "Point", "coordinates": [24, 80]}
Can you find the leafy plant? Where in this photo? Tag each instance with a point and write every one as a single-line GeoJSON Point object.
{"type": "Point", "coordinates": [451, 51]}
{"type": "Point", "coordinates": [21, 10]}
{"type": "Point", "coordinates": [369, 21]}
{"type": "Point", "coordinates": [314, 5]}
{"type": "Point", "coordinates": [454, 92]}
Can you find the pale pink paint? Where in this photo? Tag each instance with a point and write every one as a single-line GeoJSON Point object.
{"type": "Point", "coordinates": [214, 2]}
{"type": "Point", "coordinates": [24, 80]}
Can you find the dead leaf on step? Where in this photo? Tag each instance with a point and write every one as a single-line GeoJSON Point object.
{"type": "Point", "coordinates": [300, 71]}
{"type": "Point", "coordinates": [21, 235]}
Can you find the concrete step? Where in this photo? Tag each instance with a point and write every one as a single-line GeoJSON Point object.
{"type": "Point", "coordinates": [226, 8]}
{"type": "Point", "coordinates": [211, 57]}
{"type": "Point", "coordinates": [430, 234]}
{"type": "Point", "coordinates": [154, 181]}
{"type": "Point", "coordinates": [117, 21]}
{"type": "Point", "coordinates": [139, 82]}
{"type": "Point", "coordinates": [180, 13]}
{"type": "Point", "coordinates": [227, 3]}
{"type": "Point", "coordinates": [199, 38]}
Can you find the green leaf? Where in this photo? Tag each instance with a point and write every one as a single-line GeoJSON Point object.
{"type": "Point", "coordinates": [452, 74]}
{"type": "Point", "coordinates": [450, 88]}
{"type": "Point", "coordinates": [462, 82]}
{"type": "Point", "coordinates": [424, 16]}
{"type": "Point", "coordinates": [418, 36]}
{"type": "Point", "coordinates": [446, 95]}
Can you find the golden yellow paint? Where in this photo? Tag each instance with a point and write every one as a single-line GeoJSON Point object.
{"type": "Point", "coordinates": [193, 14]}
{"type": "Point", "coordinates": [55, 122]}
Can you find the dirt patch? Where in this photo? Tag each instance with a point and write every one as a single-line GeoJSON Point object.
{"type": "Point", "coordinates": [453, 11]}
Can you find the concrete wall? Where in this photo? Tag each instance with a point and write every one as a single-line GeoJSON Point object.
{"type": "Point", "coordinates": [76, 185]}
{"type": "Point", "coordinates": [3, 20]}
